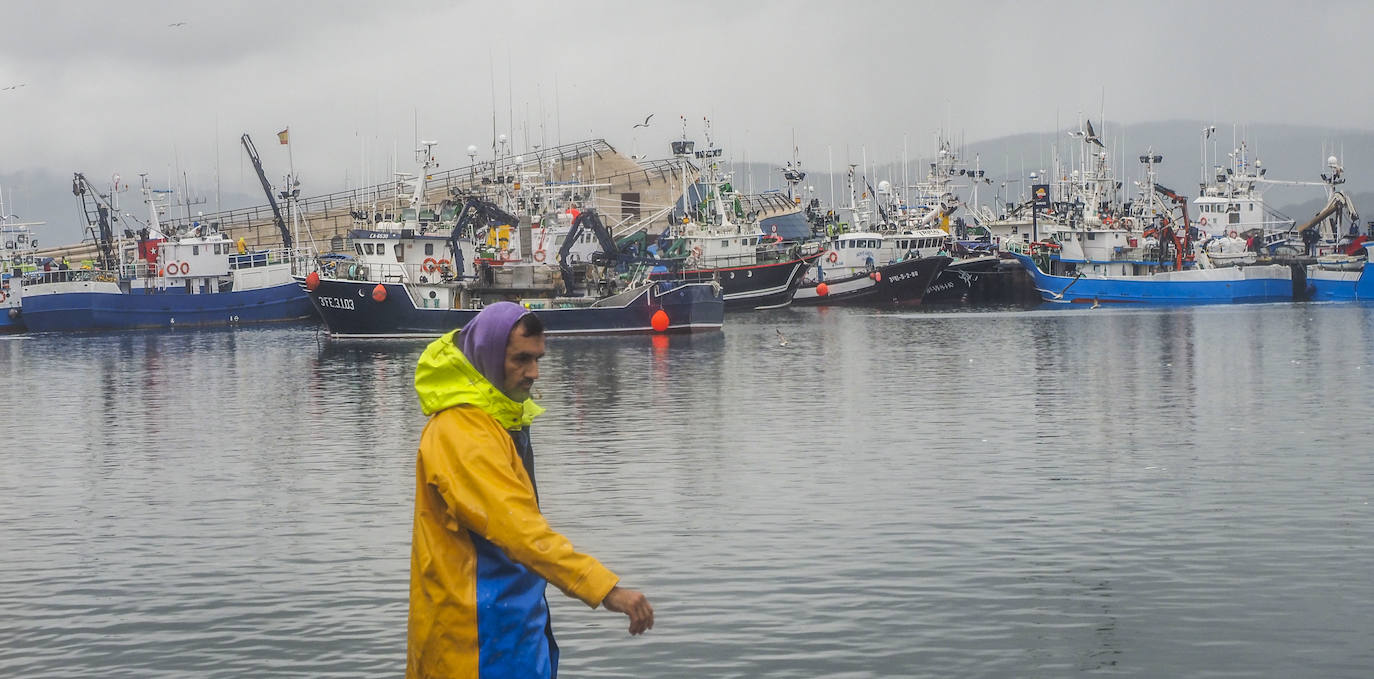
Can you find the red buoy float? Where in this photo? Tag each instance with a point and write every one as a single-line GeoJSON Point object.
{"type": "Point", "coordinates": [878, 276]}
{"type": "Point", "coordinates": [660, 321]}
{"type": "Point", "coordinates": [379, 293]}
{"type": "Point", "coordinates": [822, 290]}
{"type": "Point", "coordinates": [312, 281]}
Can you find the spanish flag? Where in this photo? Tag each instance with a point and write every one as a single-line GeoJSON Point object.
{"type": "Point", "coordinates": [281, 136]}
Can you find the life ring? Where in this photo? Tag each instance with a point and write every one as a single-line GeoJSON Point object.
{"type": "Point", "coordinates": [834, 257]}
{"type": "Point", "coordinates": [171, 268]}
{"type": "Point", "coordinates": [1202, 221]}
{"type": "Point", "coordinates": [1233, 234]}
{"type": "Point", "coordinates": [185, 268]}
{"type": "Point", "coordinates": [538, 255]}
{"type": "Point", "coordinates": [696, 250]}
{"type": "Point", "coordinates": [430, 265]}
{"type": "Point", "coordinates": [1127, 222]}
{"type": "Point", "coordinates": [443, 265]}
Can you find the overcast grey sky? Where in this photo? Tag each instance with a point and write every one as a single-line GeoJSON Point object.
{"type": "Point", "coordinates": [111, 87]}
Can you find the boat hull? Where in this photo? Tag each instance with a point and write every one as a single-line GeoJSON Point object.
{"type": "Point", "coordinates": [1228, 285]}
{"type": "Point", "coordinates": [107, 308]}
{"type": "Point", "coordinates": [964, 280]}
{"type": "Point", "coordinates": [759, 286]}
{"type": "Point", "coordinates": [1341, 286]}
{"type": "Point", "coordinates": [902, 283]}
{"type": "Point", "coordinates": [349, 310]}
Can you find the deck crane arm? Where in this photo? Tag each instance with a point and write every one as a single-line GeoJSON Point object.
{"type": "Point", "coordinates": [98, 220]}
{"type": "Point", "coordinates": [277, 218]}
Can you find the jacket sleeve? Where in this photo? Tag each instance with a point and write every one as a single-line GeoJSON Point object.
{"type": "Point", "coordinates": [472, 464]}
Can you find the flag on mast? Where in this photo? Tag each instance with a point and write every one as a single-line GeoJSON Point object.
{"type": "Point", "coordinates": [281, 136]}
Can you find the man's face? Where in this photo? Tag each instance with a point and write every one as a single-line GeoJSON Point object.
{"type": "Point", "coordinates": [522, 363]}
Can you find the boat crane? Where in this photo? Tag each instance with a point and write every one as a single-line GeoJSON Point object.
{"type": "Point", "coordinates": [277, 218]}
{"type": "Point", "coordinates": [99, 213]}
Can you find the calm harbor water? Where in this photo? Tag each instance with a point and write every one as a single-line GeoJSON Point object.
{"type": "Point", "coordinates": [1174, 492]}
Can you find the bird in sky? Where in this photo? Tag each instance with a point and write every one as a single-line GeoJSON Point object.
{"type": "Point", "coordinates": [12, 87]}
{"type": "Point", "coordinates": [1091, 136]}
{"type": "Point", "coordinates": [177, 24]}
{"type": "Point", "coordinates": [645, 123]}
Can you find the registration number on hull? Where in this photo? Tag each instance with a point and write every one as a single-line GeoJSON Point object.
{"type": "Point", "coordinates": [337, 303]}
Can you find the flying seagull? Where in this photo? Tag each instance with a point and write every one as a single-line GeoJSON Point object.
{"type": "Point", "coordinates": [13, 87]}
{"type": "Point", "coordinates": [782, 341]}
{"type": "Point", "coordinates": [645, 123]}
{"type": "Point", "coordinates": [177, 24]}
{"type": "Point", "coordinates": [1091, 137]}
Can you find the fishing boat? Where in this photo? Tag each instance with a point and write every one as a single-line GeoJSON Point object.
{"type": "Point", "coordinates": [1341, 270]}
{"type": "Point", "coordinates": [718, 240]}
{"type": "Point", "coordinates": [933, 203]}
{"type": "Point", "coordinates": [867, 267]}
{"type": "Point", "coordinates": [1148, 255]}
{"type": "Point", "coordinates": [872, 257]}
{"type": "Point", "coordinates": [148, 279]}
{"type": "Point", "coordinates": [18, 257]}
{"type": "Point", "coordinates": [415, 287]}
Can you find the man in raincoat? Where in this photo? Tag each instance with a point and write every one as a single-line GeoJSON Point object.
{"type": "Point", "coordinates": [482, 552]}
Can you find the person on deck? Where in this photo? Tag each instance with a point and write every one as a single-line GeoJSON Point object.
{"type": "Point", "coordinates": [482, 552]}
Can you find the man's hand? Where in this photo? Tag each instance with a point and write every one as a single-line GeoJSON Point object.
{"type": "Point", "coordinates": [633, 604]}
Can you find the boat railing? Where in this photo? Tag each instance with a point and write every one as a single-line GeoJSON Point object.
{"type": "Point", "coordinates": [70, 276]}
{"type": "Point", "coordinates": [385, 272]}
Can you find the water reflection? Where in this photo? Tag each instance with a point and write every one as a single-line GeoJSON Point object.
{"type": "Point", "coordinates": [1152, 492]}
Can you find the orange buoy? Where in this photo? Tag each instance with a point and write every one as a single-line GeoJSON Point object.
{"type": "Point", "coordinates": [379, 293]}
{"type": "Point", "coordinates": [312, 281]}
{"type": "Point", "coordinates": [822, 290]}
{"type": "Point", "coordinates": [660, 321]}
{"type": "Point", "coordinates": [878, 276]}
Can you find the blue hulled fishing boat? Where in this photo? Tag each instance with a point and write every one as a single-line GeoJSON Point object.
{"type": "Point", "coordinates": [195, 278]}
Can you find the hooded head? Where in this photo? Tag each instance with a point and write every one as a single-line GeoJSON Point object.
{"type": "Point", "coordinates": [483, 340]}
{"type": "Point", "coordinates": [467, 367]}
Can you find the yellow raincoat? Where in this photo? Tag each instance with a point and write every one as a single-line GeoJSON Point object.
{"type": "Point", "coordinates": [481, 550]}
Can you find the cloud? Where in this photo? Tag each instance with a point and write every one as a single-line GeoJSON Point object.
{"type": "Point", "coordinates": [112, 88]}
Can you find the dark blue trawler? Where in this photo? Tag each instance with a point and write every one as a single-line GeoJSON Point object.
{"type": "Point", "coordinates": [193, 279]}
{"type": "Point", "coordinates": [412, 290]}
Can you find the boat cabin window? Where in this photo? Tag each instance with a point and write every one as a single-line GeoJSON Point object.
{"type": "Point", "coordinates": [358, 247]}
{"type": "Point", "coordinates": [400, 252]}
{"type": "Point", "coordinates": [195, 250]}
{"type": "Point", "coordinates": [367, 248]}
{"type": "Point", "coordinates": [1092, 236]}
{"type": "Point", "coordinates": [429, 248]}
{"type": "Point", "coordinates": [725, 243]}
